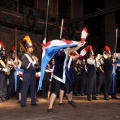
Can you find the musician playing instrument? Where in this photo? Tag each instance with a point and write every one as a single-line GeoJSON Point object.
{"type": "Point", "coordinates": [12, 63]}
{"type": "Point", "coordinates": [108, 67]}
{"type": "Point", "coordinates": [91, 92]}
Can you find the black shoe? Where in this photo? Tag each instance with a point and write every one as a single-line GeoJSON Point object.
{"type": "Point", "coordinates": [82, 94]}
{"type": "Point", "coordinates": [89, 99]}
{"type": "Point", "coordinates": [95, 98]}
{"type": "Point", "coordinates": [50, 111]}
{"type": "Point", "coordinates": [35, 104]}
{"type": "Point", "coordinates": [114, 97]}
{"type": "Point", "coordinates": [72, 103]}
{"type": "Point", "coordinates": [3, 99]}
{"type": "Point", "coordinates": [106, 98]}
{"type": "Point", "coordinates": [23, 105]}
{"type": "Point", "coordinates": [61, 104]}
{"type": "Point", "coordinates": [7, 98]}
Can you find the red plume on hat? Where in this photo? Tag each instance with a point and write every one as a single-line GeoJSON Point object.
{"type": "Point", "coordinates": [107, 49]}
{"type": "Point", "coordinates": [13, 49]}
{"type": "Point", "coordinates": [2, 45]}
{"type": "Point", "coordinates": [91, 51]}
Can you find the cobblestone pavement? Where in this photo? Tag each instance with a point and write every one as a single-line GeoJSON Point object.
{"type": "Point", "coordinates": [85, 110]}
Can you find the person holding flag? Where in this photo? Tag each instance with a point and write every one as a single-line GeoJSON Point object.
{"type": "Point", "coordinates": [62, 58]}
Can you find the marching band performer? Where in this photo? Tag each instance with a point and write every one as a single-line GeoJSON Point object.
{"type": "Point", "coordinates": [108, 67]}
{"type": "Point", "coordinates": [3, 70]}
{"type": "Point", "coordinates": [29, 78]}
{"type": "Point", "coordinates": [83, 79]}
{"type": "Point", "coordinates": [61, 58]}
{"type": "Point", "coordinates": [11, 63]}
{"type": "Point", "coordinates": [100, 73]}
{"type": "Point", "coordinates": [91, 91]}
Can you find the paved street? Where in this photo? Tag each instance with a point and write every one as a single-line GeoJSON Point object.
{"type": "Point", "coordinates": [86, 110]}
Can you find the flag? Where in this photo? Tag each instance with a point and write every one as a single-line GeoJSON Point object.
{"type": "Point", "coordinates": [84, 34]}
{"type": "Point", "coordinates": [84, 50]}
{"type": "Point", "coordinates": [50, 49]}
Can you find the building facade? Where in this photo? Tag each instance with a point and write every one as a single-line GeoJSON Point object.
{"type": "Point", "coordinates": [28, 17]}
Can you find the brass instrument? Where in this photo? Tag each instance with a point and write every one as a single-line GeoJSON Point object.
{"type": "Point", "coordinates": [9, 65]}
{"type": "Point", "coordinates": [7, 72]}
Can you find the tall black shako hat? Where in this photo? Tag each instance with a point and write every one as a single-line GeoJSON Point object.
{"type": "Point", "coordinates": [91, 53]}
{"type": "Point", "coordinates": [28, 42]}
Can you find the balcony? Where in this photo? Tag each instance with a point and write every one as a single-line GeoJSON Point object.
{"type": "Point", "coordinates": [11, 18]}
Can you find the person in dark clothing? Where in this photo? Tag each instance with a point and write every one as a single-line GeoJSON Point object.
{"type": "Point", "coordinates": [29, 78]}
{"type": "Point", "coordinates": [3, 71]}
{"type": "Point", "coordinates": [83, 79]}
{"type": "Point", "coordinates": [91, 90]}
{"type": "Point", "coordinates": [100, 73]}
{"type": "Point", "coordinates": [108, 67]}
{"type": "Point", "coordinates": [60, 75]}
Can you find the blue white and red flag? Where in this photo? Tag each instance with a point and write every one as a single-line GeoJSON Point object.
{"type": "Point", "coordinates": [52, 47]}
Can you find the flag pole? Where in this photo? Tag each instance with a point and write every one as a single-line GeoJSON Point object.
{"type": "Point", "coordinates": [44, 41]}
{"type": "Point", "coordinates": [15, 73]}
{"type": "Point", "coordinates": [116, 41]}
{"type": "Point", "coordinates": [61, 28]}
{"type": "Point", "coordinates": [16, 40]}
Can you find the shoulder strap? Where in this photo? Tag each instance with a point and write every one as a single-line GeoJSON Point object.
{"type": "Point", "coordinates": [29, 58]}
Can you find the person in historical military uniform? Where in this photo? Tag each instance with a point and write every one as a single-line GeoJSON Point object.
{"type": "Point", "coordinates": [83, 78]}
{"type": "Point", "coordinates": [91, 87]}
{"type": "Point", "coordinates": [116, 67]}
{"type": "Point", "coordinates": [3, 71]}
{"type": "Point", "coordinates": [11, 59]}
{"type": "Point", "coordinates": [29, 78]}
{"type": "Point", "coordinates": [100, 73]}
{"type": "Point", "coordinates": [108, 67]}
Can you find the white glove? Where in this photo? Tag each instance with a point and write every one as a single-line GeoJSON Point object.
{"type": "Point", "coordinates": [105, 56]}
{"type": "Point", "coordinates": [5, 69]}
{"type": "Point", "coordinates": [101, 61]}
{"type": "Point", "coordinates": [97, 64]}
{"type": "Point", "coordinates": [34, 62]}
